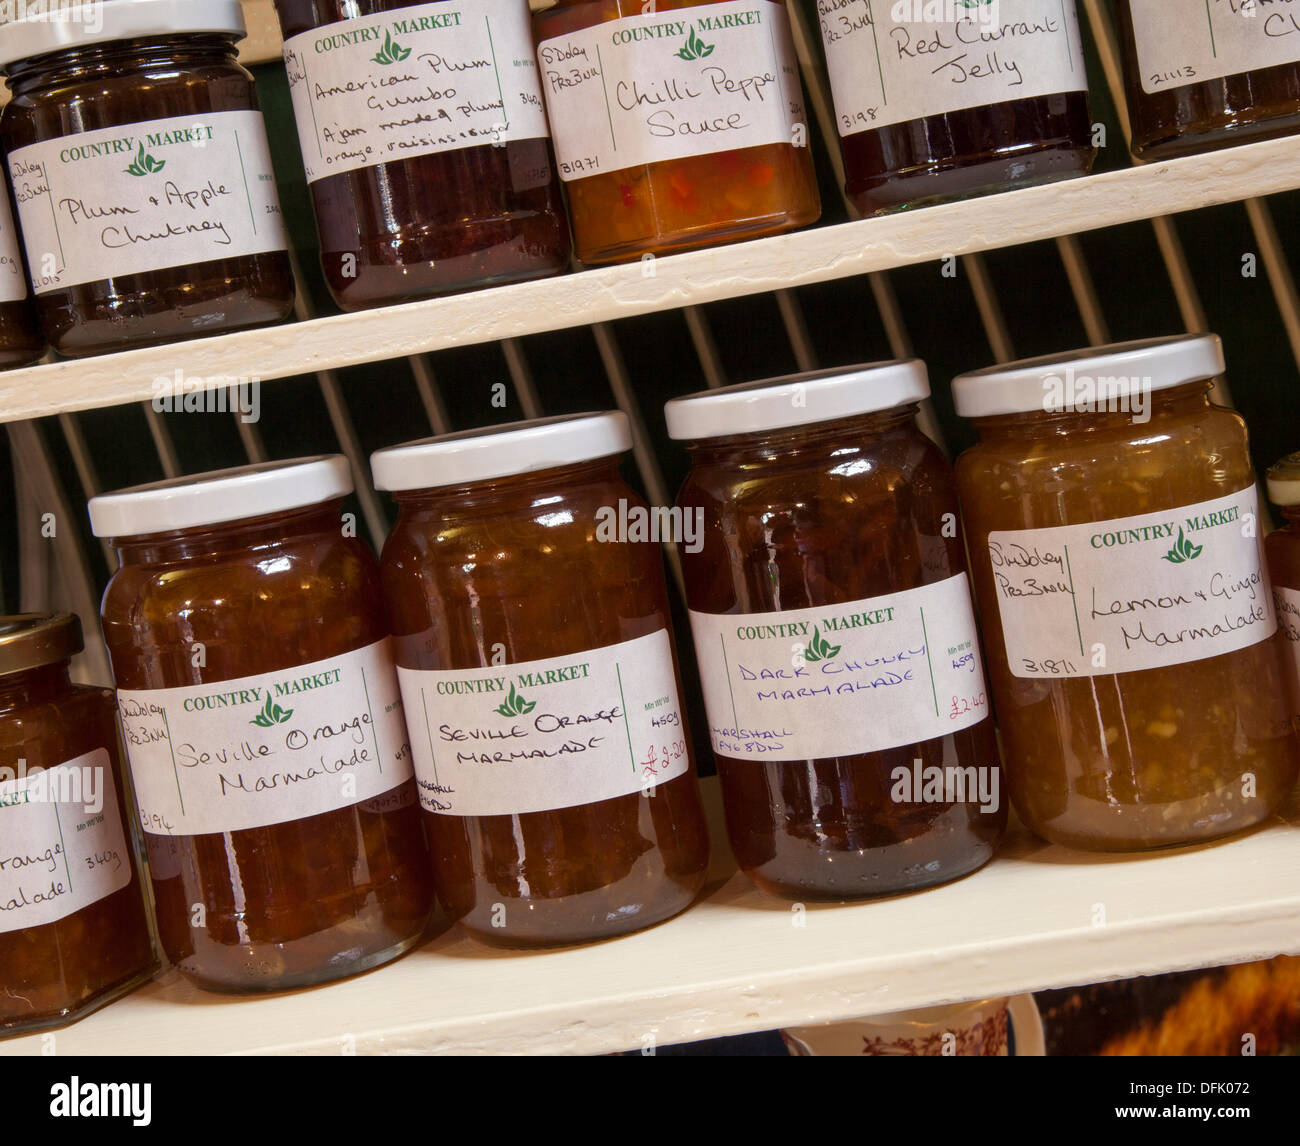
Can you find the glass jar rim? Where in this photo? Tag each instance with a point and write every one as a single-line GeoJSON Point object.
{"type": "Point", "coordinates": [1283, 480]}
{"type": "Point", "coordinates": [33, 640]}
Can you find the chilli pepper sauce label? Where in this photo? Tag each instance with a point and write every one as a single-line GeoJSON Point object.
{"type": "Point", "coordinates": [670, 85]}
{"type": "Point", "coordinates": [890, 62]}
{"type": "Point", "coordinates": [228, 755]}
{"type": "Point", "coordinates": [1181, 44]}
{"type": "Point", "coordinates": [146, 197]}
{"type": "Point", "coordinates": [414, 81]}
{"type": "Point", "coordinates": [1133, 593]}
{"type": "Point", "coordinates": [539, 735]}
{"type": "Point", "coordinates": [62, 842]}
{"type": "Point", "coordinates": [13, 283]}
{"type": "Point", "coordinates": [842, 680]}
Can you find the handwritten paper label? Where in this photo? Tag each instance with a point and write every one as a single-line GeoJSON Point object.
{"type": "Point", "coordinates": [546, 734]}
{"type": "Point", "coordinates": [229, 755]}
{"type": "Point", "coordinates": [885, 70]}
{"type": "Point", "coordinates": [841, 680]}
{"type": "Point", "coordinates": [146, 197]}
{"type": "Point", "coordinates": [414, 81]}
{"type": "Point", "coordinates": [693, 81]}
{"type": "Point", "coordinates": [62, 843]}
{"type": "Point", "coordinates": [1133, 593]}
{"type": "Point", "coordinates": [1287, 603]}
{"type": "Point", "coordinates": [13, 284]}
{"type": "Point", "coordinates": [1181, 44]}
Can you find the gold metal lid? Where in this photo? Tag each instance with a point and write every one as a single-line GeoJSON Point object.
{"type": "Point", "coordinates": [1284, 481]}
{"type": "Point", "coordinates": [31, 640]}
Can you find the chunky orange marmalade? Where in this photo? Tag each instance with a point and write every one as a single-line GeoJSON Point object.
{"type": "Point", "coordinates": [262, 721]}
{"type": "Point", "coordinates": [541, 685]}
{"type": "Point", "coordinates": [1114, 532]}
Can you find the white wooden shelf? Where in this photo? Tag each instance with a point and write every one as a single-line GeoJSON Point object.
{"type": "Point", "coordinates": [810, 256]}
{"type": "Point", "coordinates": [1039, 916]}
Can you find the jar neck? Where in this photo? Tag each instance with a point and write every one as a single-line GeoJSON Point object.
{"type": "Point", "coordinates": [34, 685]}
{"type": "Point", "coordinates": [509, 493]}
{"type": "Point", "coordinates": [816, 439]}
{"type": "Point", "coordinates": [1291, 513]}
{"type": "Point", "coordinates": [118, 58]}
{"type": "Point", "coordinates": [245, 536]}
{"type": "Point", "coordinates": [1110, 414]}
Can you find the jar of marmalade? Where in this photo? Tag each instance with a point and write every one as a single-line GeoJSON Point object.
{"type": "Point", "coordinates": [20, 344]}
{"type": "Point", "coordinates": [677, 124]}
{"type": "Point", "coordinates": [425, 144]}
{"type": "Point", "coordinates": [944, 101]}
{"type": "Point", "coordinates": [142, 174]}
{"type": "Point", "coordinates": [1282, 548]}
{"type": "Point", "coordinates": [1115, 539]}
{"type": "Point", "coordinates": [835, 635]}
{"type": "Point", "coordinates": [264, 726]}
{"type": "Point", "coordinates": [73, 930]}
{"type": "Point", "coordinates": [1199, 77]}
{"type": "Point", "coordinates": [537, 664]}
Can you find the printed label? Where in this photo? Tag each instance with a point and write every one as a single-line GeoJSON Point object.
{"type": "Point", "coordinates": [841, 680]}
{"type": "Point", "coordinates": [411, 82]}
{"type": "Point", "coordinates": [1133, 593]}
{"type": "Point", "coordinates": [546, 734]}
{"type": "Point", "coordinates": [885, 69]}
{"type": "Point", "coordinates": [13, 284]}
{"type": "Point", "coordinates": [1181, 44]}
{"type": "Point", "coordinates": [62, 843]}
{"type": "Point", "coordinates": [266, 749]}
{"type": "Point", "coordinates": [146, 197]}
{"type": "Point", "coordinates": [1287, 603]}
{"type": "Point", "coordinates": [693, 81]}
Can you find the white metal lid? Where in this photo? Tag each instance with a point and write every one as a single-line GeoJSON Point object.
{"type": "Point", "coordinates": [223, 495]}
{"type": "Point", "coordinates": [501, 451]}
{"type": "Point", "coordinates": [797, 400]}
{"type": "Point", "coordinates": [1082, 379]}
{"type": "Point", "coordinates": [1284, 481]}
{"type": "Point", "coordinates": [57, 24]}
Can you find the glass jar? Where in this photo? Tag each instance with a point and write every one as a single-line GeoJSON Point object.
{"type": "Point", "coordinates": [264, 726]}
{"type": "Point", "coordinates": [20, 343]}
{"type": "Point", "coordinates": [835, 636]}
{"type": "Point", "coordinates": [1282, 547]}
{"type": "Point", "coordinates": [142, 174]}
{"type": "Point", "coordinates": [442, 181]}
{"type": "Point", "coordinates": [1199, 77]}
{"type": "Point", "coordinates": [73, 930]}
{"type": "Point", "coordinates": [915, 126]}
{"type": "Point", "coordinates": [679, 124]}
{"type": "Point", "coordinates": [537, 663]}
{"type": "Point", "coordinates": [1114, 533]}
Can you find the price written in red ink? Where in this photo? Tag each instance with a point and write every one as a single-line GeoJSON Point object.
{"type": "Point", "coordinates": [661, 757]}
{"type": "Point", "coordinates": [965, 705]}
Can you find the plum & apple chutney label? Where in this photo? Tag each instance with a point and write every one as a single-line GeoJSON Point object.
{"type": "Point", "coordinates": [62, 842]}
{"type": "Point", "coordinates": [842, 680]}
{"type": "Point", "coordinates": [230, 755]}
{"type": "Point", "coordinates": [540, 735]}
{"type": "Point", "coordinates": [144, 197]}
{"type": "Point", "coordinates": [414, 81]}
{"type": "Point", "coordinates": [1181, 44]}
{"type": "Point", "coordinates": [1133, 593]}
{"type": "Point", "coordinates": [13, 283]}
{"type": "Point", "coordinates": [892, 61]}
{"type": "Point", "coordinates": [671, 85]}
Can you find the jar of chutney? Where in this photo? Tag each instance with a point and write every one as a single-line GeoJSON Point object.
{"type": "Point", "coordinates": [677, 124]}
{"type": "Point", "coordinates": [540, 679]}
{"type": "Point", "coordinates": [941, 101]}
{"type": "Point", "coordinates": [425, 145]}
{"type": "Point", "coordinates": [263, 725]}
{"type": "Point", "coordinates": [20, 341]}
{"type": "Point", "coordinates": [74, 933]}
{"type": "Point", "coordinates": [1116, 545]}
{"type": "Point", "coordinates": [835, 635]}
{"type": "Point", "coordinates": [142, 175]}
{"type": "Point", "coordinates": [1199, 77]}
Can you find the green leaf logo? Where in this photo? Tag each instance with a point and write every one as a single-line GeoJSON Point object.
{"type": "Point", "coordinates": [1183, 550]}
{"type": "Point", "coordinates": [819, 648]}
{"type": "Point", "coordinates": [393, 52]}
{"type": "Point", "coordinates": [145, 164]}
{"type": "Point", "coordinates": [694, 48]}
{"type": "Point", "coordinates": [271, 715]}
{"type": "Point", "coordinates": [515, 705]}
